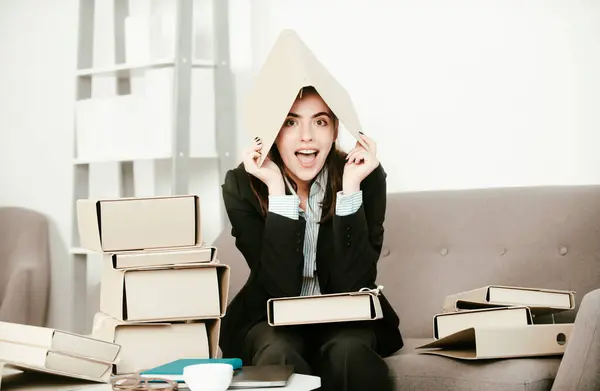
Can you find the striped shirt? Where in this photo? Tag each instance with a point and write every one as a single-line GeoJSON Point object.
{"type": "Point", "coordinates": [289, 206]}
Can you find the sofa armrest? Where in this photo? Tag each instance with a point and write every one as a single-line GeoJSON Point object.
{"type": "Point", "coordinates": [580, 366]}
{"type": "Point", "coordinates": [15, 306]}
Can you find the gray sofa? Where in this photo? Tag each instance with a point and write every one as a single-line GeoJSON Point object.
{"type": "Point", "coordinates": [443, 242]}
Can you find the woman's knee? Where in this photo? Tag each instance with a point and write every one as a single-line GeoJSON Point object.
{"type": "Point", "coordinates": [346, 347]}
{"type": "Point", "coordinates": [281, 352]}
{"type": "Point", "coordinates": [276, 351]}
{"type": "Point", "coordinates": [350, 363]}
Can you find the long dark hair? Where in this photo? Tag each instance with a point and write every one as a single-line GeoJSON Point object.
{"type": "Point", "coordinates": [334, 164]}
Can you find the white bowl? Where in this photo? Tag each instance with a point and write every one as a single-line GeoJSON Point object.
{"type": "Point", "coordinates": [208, 377]}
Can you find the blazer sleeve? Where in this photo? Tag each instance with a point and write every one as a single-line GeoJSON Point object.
{"type": "Point", "coordinates": [272, 246]}
{"type": "Point", "coordinates": [358, 237]}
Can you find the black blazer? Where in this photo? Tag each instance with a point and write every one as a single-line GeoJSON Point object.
{"type": "Point", "coordinates": [348, 248]}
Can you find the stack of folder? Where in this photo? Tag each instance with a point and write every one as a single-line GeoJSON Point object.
{"type": "Point", "coordinates": [42, 349]}
{"type": "Point", "coordinates": [498, 321]}
{"type": "Point", "coordinates": [163, 291]}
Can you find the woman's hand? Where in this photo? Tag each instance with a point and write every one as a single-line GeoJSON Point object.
{"type": "Point", "coordinates": [359, 164]}
{"type": "Point", "coordinates": [268, 173]}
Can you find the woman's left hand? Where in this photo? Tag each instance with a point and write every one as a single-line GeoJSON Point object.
{"type": "Point", "coordinates": [359, 164]}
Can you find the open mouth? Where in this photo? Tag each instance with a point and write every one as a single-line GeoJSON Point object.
{"type": "Point", "coordinates": [307, 157]}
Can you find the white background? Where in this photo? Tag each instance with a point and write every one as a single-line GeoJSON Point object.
{"type": "Point", "coordinates": [458, 94]}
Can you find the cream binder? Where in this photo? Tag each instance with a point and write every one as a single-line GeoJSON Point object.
{"type": "Point", "coordinates": [478, 343]}
{"type": "Point", "coordinates": [327, 308]}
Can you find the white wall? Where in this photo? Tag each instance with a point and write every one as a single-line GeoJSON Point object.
{"type": "Point", "coordinates": [462, 93]}
{"type": "Point", "coordinates": [37, 69]}
{"type": "Point", "coordinates": [458, 94]}
{"type": "Point", "coordinates": [37, 58]}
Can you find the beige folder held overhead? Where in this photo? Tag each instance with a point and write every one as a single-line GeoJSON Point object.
{"type": "Point", "coordinates": [60, 341]}
{"type": "Point", "coordinates": [448, 323]}
{"type": "Point", "coordinates": [148, 345]}
{"type": "Point", "coordinates": [327, 308]}
{"type": "Point", "coordinates": [478, 343]}
{"type": "Point", "coordinates": [540, 301]}
{"type": "Point", "coordinates": [289, 67]}
{"type": "Point", "coordinates": [36, 358]}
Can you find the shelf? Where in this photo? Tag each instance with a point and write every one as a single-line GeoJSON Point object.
{"type": "Point", "coordinates": [199, 124]}
{"type": "Point", "coordinates": [124, 70]}
{"type": "Point", "coordinates": [84, 162]}
{"type": "Point", "coordinates": [80, 251]}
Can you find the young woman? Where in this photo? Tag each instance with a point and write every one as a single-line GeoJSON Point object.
{"type": "Point", "coordinates": [309, 221]}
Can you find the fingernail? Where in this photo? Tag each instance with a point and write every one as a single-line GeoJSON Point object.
{"type": "Point", "coordinates": [256, 139]}
{"type": "Point", "coordinates": [360, 132]}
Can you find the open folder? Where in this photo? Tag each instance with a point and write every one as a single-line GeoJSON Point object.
{"type": "Point", "coordinates": [476, 343]}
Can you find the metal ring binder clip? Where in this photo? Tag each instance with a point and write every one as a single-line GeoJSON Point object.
{"type": "Point", "coordinates": [374, 292]}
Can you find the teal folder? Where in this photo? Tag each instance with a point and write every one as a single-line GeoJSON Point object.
{"type": "Point", "coordinates": [174, 370]}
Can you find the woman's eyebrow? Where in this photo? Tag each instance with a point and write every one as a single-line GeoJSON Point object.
{"type": "Point", "coordinates": [320, 113]}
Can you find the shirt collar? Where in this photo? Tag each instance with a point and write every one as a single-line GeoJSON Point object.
{"type": "Point", "coordinates": [320, 183]}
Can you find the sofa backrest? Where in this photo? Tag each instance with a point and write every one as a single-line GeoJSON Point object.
{"type": "Point", "coordinates": [442, 242]}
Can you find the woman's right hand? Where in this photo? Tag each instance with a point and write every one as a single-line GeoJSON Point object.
{"type": "Point", "coordinates": [268, 173]}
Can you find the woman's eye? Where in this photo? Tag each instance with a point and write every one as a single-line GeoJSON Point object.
{"type": "Point", "coordinates": [290, 122]}
{"type": "Point", "coordinates": [321, 122]}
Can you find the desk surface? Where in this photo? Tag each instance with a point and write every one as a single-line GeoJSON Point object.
{"type": "Point", "coordinates": [15, 381]}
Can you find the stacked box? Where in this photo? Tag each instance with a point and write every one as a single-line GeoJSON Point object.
{"type": "Point", "coordinates": [163, 290]}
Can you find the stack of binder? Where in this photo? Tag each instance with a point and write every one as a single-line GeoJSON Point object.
{"type": "Point", "coordinates": [47, 350]}
{"type": "Point", "coordinates": [163, 291]}
{"type": "Point", "coordinates": [497, 321]}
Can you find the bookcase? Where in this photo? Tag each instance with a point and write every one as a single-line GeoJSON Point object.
{"type": "Point", "coordinates": [153, 113]}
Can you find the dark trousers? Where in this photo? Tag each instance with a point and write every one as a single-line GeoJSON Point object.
{"type": "Point", "coordinates": [342, 354]}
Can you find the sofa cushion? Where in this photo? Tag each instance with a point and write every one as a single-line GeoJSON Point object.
{"type": "Point", "coordinates": [413, 370]}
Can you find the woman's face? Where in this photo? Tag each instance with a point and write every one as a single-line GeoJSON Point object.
{"type": "Point", "coordinates": [306, 137]}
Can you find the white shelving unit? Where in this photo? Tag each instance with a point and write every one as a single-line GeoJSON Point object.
{"type": "Point", "coordinates": [175, 160]}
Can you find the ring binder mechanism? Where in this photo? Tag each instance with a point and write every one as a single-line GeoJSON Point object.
{"type": "Point", "coordinates": [376, 291]}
